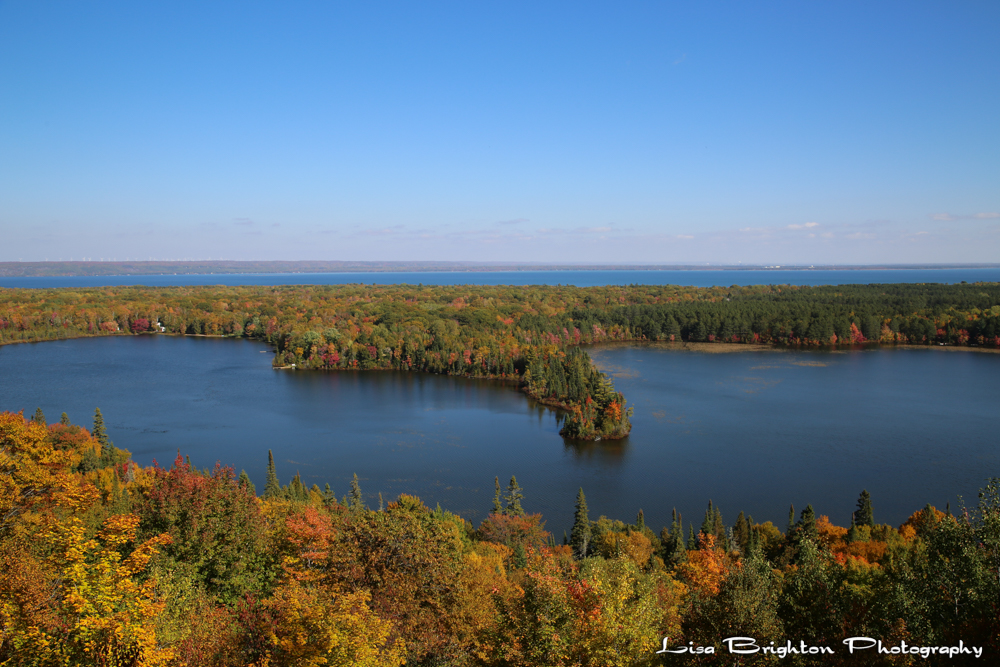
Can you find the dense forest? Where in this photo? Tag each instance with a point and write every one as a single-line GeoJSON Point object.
{"type": "Point", "coordinates": [530, 335]}
{"type": "Point", "coordinates": [107, 563]}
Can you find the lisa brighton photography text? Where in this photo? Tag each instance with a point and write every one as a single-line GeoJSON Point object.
{"type": "Point", "coordinates": [851, 645]}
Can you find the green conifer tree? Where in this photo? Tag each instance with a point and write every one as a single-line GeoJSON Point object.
{"type": "Point", "coordinates": [791, 519]}
{"type": "Point", "coordinates": [101, 435]}
{"type": "Point", "coordinates": [272, 487]}
{"type": "Point", "coordinates": [296, 490]}
{"type": "Point", "coordinates": [853, 534]}
{"type": "Point", "coordinates": [864, 516]}
{"type": "Point", "coordinates": [708, 524]}
{"type": "Point", "coordinates": [581, 534]}
{"type": "Point", "coordinates": [497, 507]}
{"type": "Point", "coordinates": [39, 417]}
{"type": "Point", "coordinates": [741, 533]}
{"type": "Point", "coordinates": [640, 521]}
{"type": "Point", "coordinates": [807, 524]}
{"type": "Point", "coordinates": [673, 541]}
{"type": "Point", "coordinates": [520, 556]}
{"type": "Point", "coordinates": [245, 482]}
{"type": "Point", "coordinates": [64, 419]}
{"type": "Point", "coordinates": [513, 499]}
{"type": "Point", "coordinates": [692, 543]}
{"type": "Point", "coordinates": [753, 543]}
{"type": "Point", "coordinates": [719, 530]}
{"type": "Point", "coordinates": [357, 500]}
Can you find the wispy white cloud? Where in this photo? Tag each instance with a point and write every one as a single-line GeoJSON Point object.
{"type": "Point", "coordinates": [243, 222]}
{"type": "Point", "coordinates": [948, 217]}
{"type": "Point", "coordinates": [804, 225]}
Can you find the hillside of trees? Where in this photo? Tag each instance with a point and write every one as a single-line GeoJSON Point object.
{"type": "Point", "coordinates": [530, 335]}
{"type": "Point", "coordinates": [107, 563]}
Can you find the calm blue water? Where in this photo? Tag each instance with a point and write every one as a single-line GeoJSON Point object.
{"type": "Point", "coordinates": [753, 431]}
{"type": "Point", "coordinates": [577, 278]}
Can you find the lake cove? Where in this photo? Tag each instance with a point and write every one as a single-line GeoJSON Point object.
{"type": "Point", "coordinates": [750, 430]}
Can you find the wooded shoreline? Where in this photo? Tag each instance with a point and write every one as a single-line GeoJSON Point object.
{"type": "Point", "coordinates": [529, 334]}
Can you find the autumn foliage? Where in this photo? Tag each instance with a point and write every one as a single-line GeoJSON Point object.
{"type": "Point", "coordinates": [117, 565]}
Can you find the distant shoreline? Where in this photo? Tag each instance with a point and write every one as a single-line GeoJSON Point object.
{"type": "Point", "coordinates": [723, 348]}
{"type": "Point", "coordinates": [151, 268]}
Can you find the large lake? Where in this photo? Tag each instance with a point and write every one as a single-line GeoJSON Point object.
{"type": "Point", "coordinates": [696, 278]}
{"type": "Point", "coordinates": [753, 431]}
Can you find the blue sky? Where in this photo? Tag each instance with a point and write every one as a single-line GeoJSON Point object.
{"type": "Point", "coordinates": [765, 132]}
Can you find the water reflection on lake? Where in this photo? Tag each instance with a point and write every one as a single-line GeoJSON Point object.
{"type": "Point", "coordinates": [753, 431]}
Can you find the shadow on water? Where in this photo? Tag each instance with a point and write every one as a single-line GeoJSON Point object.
{"type": "Point", "coordinates": [604, 452]}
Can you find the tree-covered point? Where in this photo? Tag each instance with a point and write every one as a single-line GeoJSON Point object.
{"type": "Point", "coordinates": [505, 332]}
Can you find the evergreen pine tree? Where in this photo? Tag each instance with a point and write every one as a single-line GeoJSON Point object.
{"type": "Point", "coordinates": [753, 541]}
{"type": "Point", "coordinates": [101, 434]}
{"type": "Point", "coordinates": [64, 420]}
{"type": "Point", "coordinates": [673, 541]}
{"type": "Point", "coordinates": [356, 501]}
{"type": "Point", "coordinates": [245, 482]}
{"type": "Point", "coordinates": [852, 532]}
{"type": "Point", "coordinates": [708, 525]}
{"type": "Point", "coordinates": [497, 507]}
{"type": "Point", "coordinates": [791, 519]}
{"type": "Point", "coordinates": [520, 556]}
{"type": "Point", "coordinates": [864, 516]}
{"type": "Point", "coordinates": [719, 530]}
{"type": "Point", "coordinates": [39, 417]}
{"type": "Point", "coordinates": [513, 498]}
{"type": "Point", "coordinates": [807, 524]}
{"type": "Point", "coordinates": [328, 495]}
{"type": "Point", "coordinates": [296, 490]}
{"type": "Point", "coordinates": [381, 503]}
{"type": "Point", "coordinates": [581, 534]}
{"type": "Point", "coordinates": [272, 488]}
{"type": "Point", "coordinates": [640, 521]}
{"type": "Point", "coordinates": [741, 533]}
{"type": "Point", "coordinates": [692, 544]}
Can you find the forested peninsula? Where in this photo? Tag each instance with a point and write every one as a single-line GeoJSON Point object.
{"type": "Point", "coordinates": [107, 563]}
{"type": "Point", "coordinates": [529, 335]}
